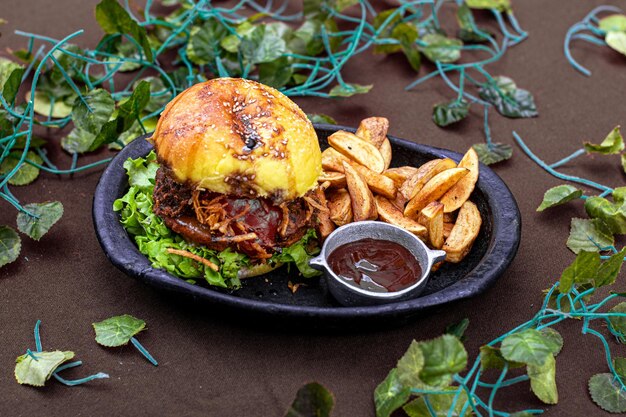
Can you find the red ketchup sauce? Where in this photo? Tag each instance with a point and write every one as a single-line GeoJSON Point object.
{"type": "Point", "coordinates": [375, 265]}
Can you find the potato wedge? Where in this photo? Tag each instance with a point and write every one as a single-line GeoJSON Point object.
{"type": "Point", "coordinates": [400, 174]}
{"type": "Point", "coordinates": [358, 150]}
{"type": "Point", "coordinates": [333, 160]}
{"type": "Point", "coordinates": [457, 195]}
{"type": "Point", "coordinates": [373, 130]}
{"type": "Point", "coordinates": [325, 226]}
{"type": "Point", "coordinates": [385, 151]}
{"type": "Point", "coordinates": [378, 183]}
{"type": "Point", "coordinates": [389, 213]}
{"type": "Point", "coordinates": [363, 204]}
{"type": "Point", "coordinates": [399, 202]}
{"type": "Point", "coordinates": [431, 217]}
{"type": "Point", "coordinates": [424, 174]}
{"type": "Point", "coordinates": [434, 189]}
{"type": "Point", "coordinates": [464, 233]}
{"type": "Point", "coordinates": [340, 206]}
{"type": "Point", "coordinates": [447, 228]}
{"type": "Point", "coordinates": [336, 179]}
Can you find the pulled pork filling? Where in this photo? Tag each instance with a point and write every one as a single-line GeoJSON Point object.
{"type": "Point", "coordinates": [254, 226]}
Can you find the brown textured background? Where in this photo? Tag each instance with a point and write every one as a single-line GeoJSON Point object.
{"type": "Point", "coordinates": [212, 367]}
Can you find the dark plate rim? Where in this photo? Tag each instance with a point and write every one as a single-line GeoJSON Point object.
{"type": "Point", "coordinates": [122, 252]}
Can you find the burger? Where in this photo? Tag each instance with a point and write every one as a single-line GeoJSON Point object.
{"type": "Point", "coordinates": [238, 170]}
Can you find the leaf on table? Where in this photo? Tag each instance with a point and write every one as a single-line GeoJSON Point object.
{"type": "Point", "coordinates": [501, 5]}
{"type": "Point", "coordinates": [468, 31]}
{"type": "Point", "coordinates": [93, 110]}
{"type": "Point", "coordinates": [458, 329]}
{"type": "Point", "coordinates": [611, 145]}
{"type": "Point", "coordinates": [493, 153]}
{"type": "Point", "coordinates": [589, 235]}
{"type": "Point", "coordinates": [349, 90]}
{"type": "Point", "coordinates": [410, 365]}
{"type": "Point", "coordinates": [617, 41]}
{"type": "Point", "coordinates": [312, 400]}
{"type": "Point", "coordinates": [543, 380]}
{"type": "Point", "coordinates": [607, 393]}
{"type": "Point", "coordinates": [439, 48]}
{"type": "Point", "coordinates": [619, 364]}
{"type": "Point", "coordinates": [624, 162]}
{"type": "Point", "coordinates": [321, 118]}
{"type": "Point", "coordinates": [35, 372]}
{"type": "Point", "coordinates": [390, 395]}
{"type": "Point", "coordinates": [10, 78]}
{"type": "Point", "coordinates": [10, 245]}
{"type": "Point", "coordinates": [491, 358]}
{"type": "Point", "coordinates": [450, 112]}
{"type": "Point", "coordinates": [618, 323]}
{"type": "Point", "coordinates": [276, 73]}
{"type": "Point", "coordinates": [609, 270]}
{"type": "Point", "coordinates": [555, 338]}
{"type": "Point", "coordinates": [160, 95]}
{"type": "Point", "coordinates": [443, 357]}
{"type": "Point", "coordinates": [613, 23]}
{"type": "Point", "coordinates": [583, 270]}
{"type": "Point", "coordinates": [391, 18]}
{"type": "Point", "coordinates": [43, 105]}
{"type": "Point", "coordinates": [117, 330]}
{"type": "Point", "coordinates": [35, 142]}
{"type": "Point", "coordinates": [528, 346]}
{"type": "Point", "coordinates": [77, 141]}
{"type": "Point", "coordinates": [264, 44]}
{"type": "Point", "coordinates": [558, 195]}
{"type": "Point", "coordinates": [441, 404]}
{"type": "Point", "coordinates": [26, 173]}
{"type": "Point", "coordinates": [204, 43]}
{"type": "Point", "coordinates": [44, 216]}
{"type": "Point", "coordinates": [113, 18]}
{"type": "Point", "coordinates": [509, 100]}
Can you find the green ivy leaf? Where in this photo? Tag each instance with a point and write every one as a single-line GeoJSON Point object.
{"type": "Point", "coordinates": [443, 357]}
{"type": "Point", "coordinates": [204, 45]}
{"type": "Point", "coordinates": [450, 112]}
{"type": "Point", "coordinates": [611, 145]}
{"type": "Point", "coordinates": [159, 94]}
{"type": "Point", "coordinates": [583, 270]}
{"type": "Point", "coordinates": [441, 404]}
{"type": "Point", "coordinates": [439, 48]}
{"type": "Point", "coordinates": [624, 162]}
{"type": "Point", "coordinates": [10, 78]}
{"type": "Point", "coordinates": [468, 31]}
{"type": "Point", "coordinates": [390, 395]}
{"type": "Point", "coordinates": [29, 371]}
{"type": "Point", "coordinates": [617, 41]}
{"type": "Point", "coordinates": [117, 331]}
{"type": "Point", "coordinates": [528, 346]}
{"type": "Point", "coordinates": [558, 195]}
{"type": "Point", "coordinates": [77, 141]}
{"type": "Point", "coordinates": [458, 329]}
{"type": "Point", "coordinates": [42, 104]}
{"type": "Point", "coordinates": [349, 90]}
{"type": "Point", "coordinates": [494, 153]}
{"type": "Point", "coordinates": [612, 214]}
{"type": "Point", "coordinates": [607, 393]}
{"type": "Point", "coordinates": [92, 111]}
{"type": "Point", "coordinates": [386, 32]}
{"type": "Point", "coordinates": [127, 114]}
{"type": "Point", "coordinates": [321, 118]}
{"type": "Point", "coordinates": [555, 338]}
{"type": "Point", "coordinates": [26, 172]}
{"type": "Point", "coordinates": [264, 44]}
{"type": "Point", "coordinates": [410, 365]}
{"type": "Point", "coordinates": [47, 215]}
{"type": "Point", "coordinates": [276, 73]}
{"type": "Point", "coordinates": [613, 23]}
{"type": "Point", "coordinates": [406, 34]}
{"type": "Point", "coordinates": [501, 5]}
{"type": "Point", "coordinates": [509, 100]}
{"type": "Point", "coordinates": [312, 400]}
{"type": "Point", "coordinates": [10, 245]}
{"type": "Point", "coordinates": [617, 322]}
{"type": "Point", "coordinates": [589, 235]}
{"type": "Point", "coordinates": [610, 269]}
{"type": "Point", "coordinates": [619, 364]}
{"type": "Point", "coordinates": [491, 358]}
{"type": "Point", "coordinates": [619, 195]}
{"type": "Point", "coordinates": [113, 19]}
{"type": "Point", "coordinates": [543, 380]}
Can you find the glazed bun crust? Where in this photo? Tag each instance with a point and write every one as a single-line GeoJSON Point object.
{"type": "Point", "coordinates": [239, 137]}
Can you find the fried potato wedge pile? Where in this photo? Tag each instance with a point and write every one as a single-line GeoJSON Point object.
{"type": "Point", "coordinates": [430, 201]}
